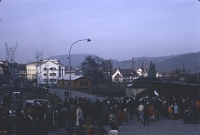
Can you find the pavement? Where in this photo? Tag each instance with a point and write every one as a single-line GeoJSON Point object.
{"type": "Point", "coordinates": [160, 127]}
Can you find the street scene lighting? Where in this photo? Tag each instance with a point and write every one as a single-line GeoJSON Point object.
{"type": "Point", "coordinates": [88, 40]}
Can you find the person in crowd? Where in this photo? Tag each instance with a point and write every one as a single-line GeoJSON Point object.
{"type": "Point", "coordinates": [67, 106]}
{"type": "Point", "coordinates": [131, 108]}
{"type": "Point", "coordinates": [186, 118]}
{"type": "Point", "coordinates": [50, 110]}
{"type": "Point", "coordinates": [35, 107]}
{"type": "Point", "coordinates": [89, 127]}
{"type": "Point", "coordinates": [5, 124]}
{"type": "Point", "coordinates": [125, 116]}
{"type": "Point", "coordinates": [198, 110]}
{"type": "Point", "coordinates": [42, 110]}
{"type": "Point", "coordinates": [27, 121]}
{"type": "Point", "coordinates": [79, 114]}
{"type": "Point", "coordinates": [113, 121]}
{"type": "Point", "coordinates": [182, 105]}
{"type": "Point", "coordinates": [170, 112]}
{"type": "Point", "coordinates": [120, 117]}
{"type": "Point", "coordinates": [152, 113]}
{"type": "Point", "coordinates": [105, 112]}
{"type": "Point", "coordinates": [146, 114]}
{"type": "Point", "coordinates": [40, 126]}
{"type": "Point", "coordinates": [140, 111]}
{"type": "Point", "coordinates": [80, 130]}
{"type": "Point", "coordinates": [97, 105]}
{"type": "Point", "coordinates": [19, 118]}
{"type": "Point", "coordinates": [58, 108]}
{"type": "Point", "coordinates": [194, 113]}
{"type": "Point", "coordinates": [175, 111]}
{"type": "Point", "coordinates": [72, 117]}
{"type": "Point", "coordinates": [7, 100]}
{"type": "Point", "coordinates": [2, 109]}
{"type": "Point", "coordinates": [99, 129]}
{"type": "Point", "coordinates": [90, 109]}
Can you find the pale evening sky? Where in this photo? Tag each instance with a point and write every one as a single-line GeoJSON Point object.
{"type": "Point", "coordinates": [119, 29]}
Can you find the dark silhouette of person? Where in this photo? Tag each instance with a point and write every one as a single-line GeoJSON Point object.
{"type": "Point", "coordinates": [7, 100]}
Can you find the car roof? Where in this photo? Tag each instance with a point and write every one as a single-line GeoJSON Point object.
{"type": "Point", "coordinates": [29, 101]}
{"type": "Point", "coordinates": [45, 100]}
{"type": "Point", "coordinates": [16, 92]}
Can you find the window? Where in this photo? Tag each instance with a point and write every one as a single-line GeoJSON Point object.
{"type": "Point", "coordinates": [52, 74]}
{"type": "Point", "coordinates": [83, 83]}
{"type": "Point", "coordinates": [52, 80]}
{"type": "Point", "coordinates": [53, 68]}
{"type": "Point", "coordinates": [45, 74]}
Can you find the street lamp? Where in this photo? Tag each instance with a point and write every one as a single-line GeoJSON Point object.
{"type": "Point", "coordinates": [88, 40]}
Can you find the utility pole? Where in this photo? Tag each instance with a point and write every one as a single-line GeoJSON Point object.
{"type": "Point", "coordinates": [197, 79]}
{"type": "Point", "coordinates": [132, 63]}
{"type": "Point", "coordinates": [110, 64]}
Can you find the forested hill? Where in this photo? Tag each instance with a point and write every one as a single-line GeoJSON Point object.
{"type": "Point", "coordinates": [189, 61]}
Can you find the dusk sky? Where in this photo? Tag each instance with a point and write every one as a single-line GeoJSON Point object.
{"type": "Point", "coordinates": [119, 29]}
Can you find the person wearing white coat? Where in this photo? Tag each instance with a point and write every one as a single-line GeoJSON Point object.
{"type": "Point", "coordinates": [79, 115]}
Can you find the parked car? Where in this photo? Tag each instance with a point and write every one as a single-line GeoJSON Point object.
{"type": "Point", "coordinates": [31, 102]}
{"type": "Point", "coordinates": [90, 99]}
{"type": "Point", "coordinates": [16, 95]}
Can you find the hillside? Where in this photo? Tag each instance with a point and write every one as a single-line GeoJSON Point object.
{"type": "Point", "coordinates": [189, 61]}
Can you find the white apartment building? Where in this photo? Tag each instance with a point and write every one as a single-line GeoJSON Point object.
{"type": "Point", "coordinates": [49, 71]}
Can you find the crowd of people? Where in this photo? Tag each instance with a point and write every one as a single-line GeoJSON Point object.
{"type": "Point", "coordinates": [82, 116]}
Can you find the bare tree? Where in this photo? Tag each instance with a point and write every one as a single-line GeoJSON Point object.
{"type": "Point", "coordinates": [38, 55]}
{"type": "Point", "coordinates": [10, 57]}
{"type": "Point", "coordinates": [11, 52]}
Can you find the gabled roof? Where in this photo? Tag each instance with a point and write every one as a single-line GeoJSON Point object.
{"type": "Point", "coordinates": [73, 77]}
{"type": "Point", "coordinates": [144, 82]}
{"type": "Point", "coordinates": [56, 62]}
{"type": "Point", "coordinates": [128, 72]}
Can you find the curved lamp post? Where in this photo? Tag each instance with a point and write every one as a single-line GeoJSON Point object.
{"type": "Point", "coordinates": [88, 40]}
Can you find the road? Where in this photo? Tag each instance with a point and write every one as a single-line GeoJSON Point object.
{"type": "Point", "coordinates": [60, 93]}
{"type": "Point", "coordinates": [160, 127]}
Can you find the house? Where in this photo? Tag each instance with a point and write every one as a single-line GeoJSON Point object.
{"type": "Point", "coordinates": [124, 75]}
{"type": "Point", "coordinates": [77, 82]}
{"type": "Point", "coordinates": [22, 71]}
{"type": "Point", "coordinates": [48, 71]}
{"type": "Point", "coordinates": [177, 89]}
{"type": "Point", "coordinates": [140, 85]}
{"type": "Point", "coordinates": [74, 71]}
{"type": "Point", "coordinates": [31, 70]}
{"type": "Point", "coordinates": [9, 71]}
{"type": "Point", "coordinates": [142, 72]}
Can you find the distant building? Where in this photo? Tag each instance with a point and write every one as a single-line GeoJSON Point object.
{"type": "Point", "coordinates": [74, 71]}
{"type": "Point", "coordinates": [140, 85]}
{"type": "Point", "coordinates": [31, 70]}
{"type": "Point", "coordinates": [77, 82]}
{"type": "Point", "coordinates": [9, 71]}
{"type": "Point", "coordinates": [22, 71]}
{"type": "Point", "coordinates": [142, 72]}
{"type": "Point", "coordinates": [48, 71]}
{"type": "Point", "coordinates": [124, 75]}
